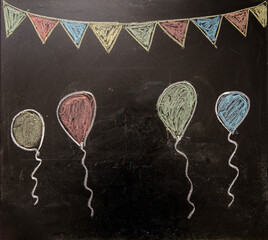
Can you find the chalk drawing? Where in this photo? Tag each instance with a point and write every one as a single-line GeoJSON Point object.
{"type": "Point", "coordinates": [43, 26]}
{"type": "Point", "coordinates": [27, 132]}
{"type": "Point", "coordinates": [176, 107]}
{"type": "Point", "coordinates": [260, 12]}
{"type": "Point", "coordinates": [231, 109]}
{"type": "Point", "coordinates": [176, 30]}
{"type": "Point", "coordinates": [239, 20]}
{"type": "Point", "coordinates": [13, 18]}
{"type": "Point", "coordinates": [210, 27]}
{"type": "Point", "coordinates": [76, 114]}
{"type": "Point", "coordinates": [75, 30]}
{"type": "Point", "coordinates": [143, 33]}
{"type": "Point", "coordinates": [107, 34]}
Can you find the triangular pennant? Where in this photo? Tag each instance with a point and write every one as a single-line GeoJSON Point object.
{"type": "Point", "coordinates": [210, 27]}
{"type": "Point", "coordinates": [260, 12]}
{"type": "Point", "coordinates": [13, 18]}
{"type": "Point", "coordinates": [176, 30]}
{"type": "Point", "coordinates": [143, 33]}
{"type": "Point", "coordinates": [75, 30]}
{"type": "Point", "coordinates": [43, 26]}
{"type": "Point", "coordinates": [107, 34]}
{"type": "Point", "coordinates": [239, 20]}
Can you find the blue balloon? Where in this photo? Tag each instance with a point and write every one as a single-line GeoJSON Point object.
{"type": "Point", "coordinates": [231, 109]}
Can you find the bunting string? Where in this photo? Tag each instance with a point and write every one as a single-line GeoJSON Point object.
{"type": "Point", "coordinates": [142, 32]}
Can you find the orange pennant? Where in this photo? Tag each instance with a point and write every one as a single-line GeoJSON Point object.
{"type": "Point", "coordinates": [43, 26]}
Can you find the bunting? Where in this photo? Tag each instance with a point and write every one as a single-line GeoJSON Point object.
{"type": "Point", "coordinates": [43, 26]}
{"type": "Point", "coordinates": [143, 33]}
{"type": "Point", "coordinates": [260, 12]}
{"type": "Point", "coordinates": [210, 27]}
{"type": "Point", "coordinates": [13, 18]}
{"type": "Point", "coordinates": [108, 32]}
{"type": "Point", "coordinates": [239, 20]}
{"type": "Point", "coordinates": [75, 30]}
{"type": "Point", "coordinates": [176, 30]}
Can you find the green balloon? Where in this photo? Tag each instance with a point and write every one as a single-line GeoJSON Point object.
{"type": "Point", "coordinates": [27, 129]}
{"type": "Point", "coordinates": [176, 106]}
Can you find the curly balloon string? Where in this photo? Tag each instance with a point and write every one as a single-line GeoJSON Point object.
{"type": "Point", "coordinates": [85, 181]}
{"type": "Point", "coordinates": [37, 154]}
{"type": "Point", "coordinates": [234, 167]}
{"type": "Point", "coordinates": [187, 176]}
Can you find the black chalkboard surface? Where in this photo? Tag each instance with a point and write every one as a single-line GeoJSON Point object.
{"type": "Point", "coordinates": [138, 178]}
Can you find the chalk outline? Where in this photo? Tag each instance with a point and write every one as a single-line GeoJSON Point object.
{"type": "Point", "coordinates": [37, 153]}
{"type": "Point", "coordinates": [178, 139]}
{"type": "Point", "coordinates": [43, 130]}
{"type": "Point", "coordinates": [106, 24]}
{"type": "Point", "coordinates": [155, 21]}
{"type": "Point", "coordinates": [234, 167]}
{"type": "Point", "coordinates": [83, 144]}
{"type": "Point", "coordinates": [232, 141]}
{"type": "Point", "coordinates": [173, 38]}
{"type": "Point", "coordinates": [216, 105]}
{"type": "Point", "coordinates": [186, 126]}
{"type": "Point", "coordinates": [43, 41]}
{"type": "Point", "coordinates": [93, 117]}
{"type": "Point", "coordinates": [142, 23]}
{"type": "Point", "coordinates": [131, 23]}
{"type": "Point", "coordinates": [82, 37]}
{"type": "Point", "coordinates": [251, 10]}
{"type": "Point", "coordinates": [218, 30]}
{"type": "Point", "coordinates": [85, 182]}
{"type": "Point", "coordinates": [5, 3]}
{"type": "Point", "coordinates": [189, 179]}
{"type": "Point", "coordinates": [244, 34]}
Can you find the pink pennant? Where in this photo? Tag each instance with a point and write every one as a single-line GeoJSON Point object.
{"type": "Point", "coordinates": [176, 30]}
{"type": "Point", "coordinates": [240, 20]}
{"type": "Point", "coordinates": [43, 26]}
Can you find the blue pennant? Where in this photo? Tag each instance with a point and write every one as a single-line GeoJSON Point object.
{"type": "Point", "coordinates": [75, 30]}
{"type": "Point", "coordinates": [209, 26]}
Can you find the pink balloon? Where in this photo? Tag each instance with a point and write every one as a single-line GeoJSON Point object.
{"type": "Point", "coordinates": [76, 114]}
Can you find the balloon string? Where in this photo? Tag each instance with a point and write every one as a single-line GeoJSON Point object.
{"type": "Point", "coordinates": [234, 167]}
{"type": "Point", "coordinates": [187, 176]}
{"type": "Point", "coordinates": [85, 182]}
{"type": "Point", "coordinates": [37, 153]}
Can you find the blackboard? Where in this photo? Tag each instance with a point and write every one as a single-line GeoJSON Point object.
{"type": "Point", "coordinates": [137, 176]}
